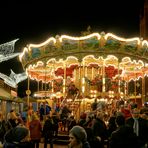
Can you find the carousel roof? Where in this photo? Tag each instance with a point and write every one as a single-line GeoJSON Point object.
{"type": "Point", "coordinates": [46, 61]}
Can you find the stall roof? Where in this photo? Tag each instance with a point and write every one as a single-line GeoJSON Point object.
{"type": "Point", "coordinates": [4, 94]}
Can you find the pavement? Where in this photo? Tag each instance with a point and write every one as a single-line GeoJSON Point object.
{"type": "Point", "coordinates": [61, 135]}
{"type": "Point", "coordinates": [54, 146]}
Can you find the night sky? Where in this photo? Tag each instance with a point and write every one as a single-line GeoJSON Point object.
{"type": "Point", "coordinates": [35, 21]}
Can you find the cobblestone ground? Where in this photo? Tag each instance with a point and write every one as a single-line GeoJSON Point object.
{"type": "Point", "coordinates": [54, 146]}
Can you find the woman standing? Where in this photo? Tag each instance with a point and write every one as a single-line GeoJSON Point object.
{"type": "Point", "coordinates": [35, 130]}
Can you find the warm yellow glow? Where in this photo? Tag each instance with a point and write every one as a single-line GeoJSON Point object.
{"type": "Point", "coordinates": [145, 43]}
{"type": "Point", "coordinates": [111, 60]}
{"type": "Point", "coordinates": [38, 70]}
{"type": "Point", "coordinates": [102, 99]}
{"type": "Point", "coordinates": [90, 59]}
{"type": "Point", "coordinates": [83, 89]}
{"type": "Point", "coordinates": [64, 87]}
{"type": "Point", "coordinates": [83, 85]}
{"type": "Point", "coordinates": [36, 45]}
{"type": "Point", "coordinates": [111, 94]}
{"type": "Point", "coordinates": [122, 39]}
{"type": "Point", "coordinates": [80, 38]}
{"type": "Point", "coordinates": [103, 81]}
{"type": "Point", "coordinates": [42, 44]}
{"type": "Point", "coordinates": [21, 55]}
{"type": "Point", "coordinates": [127, 64]}
{"type": "Point", "coordinates": [61, 38]}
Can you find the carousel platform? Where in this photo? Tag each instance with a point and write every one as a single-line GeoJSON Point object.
{"type": "Point", "coordinates": [62, 139]}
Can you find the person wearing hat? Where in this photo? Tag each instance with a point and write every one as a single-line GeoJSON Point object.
{"type": "Point", "coordinates": [17, 137]}
{"type": "Point", "coordinates": [78, 138]}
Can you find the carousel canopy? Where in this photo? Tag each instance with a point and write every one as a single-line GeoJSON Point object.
{"type": "Point", "coordinates": [91, 66]}
{"type": "Point", "coordinates": [46, 61]}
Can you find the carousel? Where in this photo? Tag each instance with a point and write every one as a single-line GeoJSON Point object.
{"type": "Point", "coordinates": [77, 70]}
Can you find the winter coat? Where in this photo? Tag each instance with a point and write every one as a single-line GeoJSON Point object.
{"type": "Point", "coordinates": [123, 137]}
{"type": "Point", "coordinates": [35, 129]}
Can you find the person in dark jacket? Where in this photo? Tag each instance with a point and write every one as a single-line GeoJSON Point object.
{"type": "Point", "coordinates": [56, 120]}
{"type": "Point", "coordinates": [72, 122]}
{"type": "Point", "coordinates": [48, 131]}
{"type": "Point", "coordinates": [17, 137]}
{"type": "Point", "coordinates": [99, 130]}
{"type": "Point", "coordinates": [142, 129]}
{"type": "Point", "coordinates": [4, 127]}
{"type": "Point", "coordinates": [123, 136]}
{"type": "Point", "coordinates": [78, 138]}
{"type": "Point", "coordinates": [42, 112]}
{"type": "Point", "coordinates": [112, 126]}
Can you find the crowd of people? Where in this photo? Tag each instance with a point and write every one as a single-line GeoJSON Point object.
{"type": "Point", "coordinates": [122, 127]}
{"type": "Point", "coordinates": [19, 132]}
{"type": "Point", "coordinates": [125, 126]}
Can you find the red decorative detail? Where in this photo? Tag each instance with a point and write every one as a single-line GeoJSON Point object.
{"type": "Point", "coordinates": [111, 71]}
{"type": "Point", "coordinates": [93, 65]}
{"type": "Point", "coordinates": [69, 71]}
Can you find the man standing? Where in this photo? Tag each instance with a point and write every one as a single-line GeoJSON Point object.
{"type": "Point", "coordinates": [140, 127]}
{"type": "Point", "coordinates": [123, 136]}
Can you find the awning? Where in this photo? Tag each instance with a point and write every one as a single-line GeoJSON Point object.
{"type": "Point", "coordinates": [4, 94]}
